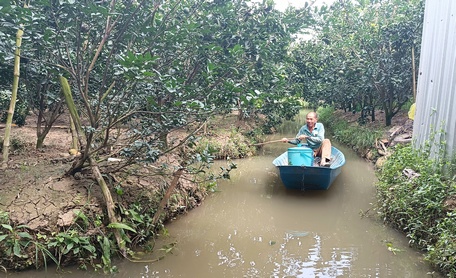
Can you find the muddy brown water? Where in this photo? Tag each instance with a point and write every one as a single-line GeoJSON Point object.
{"type": "Point", "coordinates": [254, 227]}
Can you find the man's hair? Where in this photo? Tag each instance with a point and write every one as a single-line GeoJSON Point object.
{"type": "Point", "coordinates": [314, 113]}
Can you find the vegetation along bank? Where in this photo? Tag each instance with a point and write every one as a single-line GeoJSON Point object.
{"type": "Point", "coordinates": [415, 193]}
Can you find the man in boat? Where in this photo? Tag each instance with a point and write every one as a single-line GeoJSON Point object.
{"type": "Point", "coordinates": [314, 135]}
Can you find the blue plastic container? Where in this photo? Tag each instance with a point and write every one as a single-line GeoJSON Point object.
{"type": "Point", "coordinates": [300, 156]}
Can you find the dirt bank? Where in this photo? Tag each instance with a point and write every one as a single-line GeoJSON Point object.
{"type": "Point", "coordinates": [37, 194]}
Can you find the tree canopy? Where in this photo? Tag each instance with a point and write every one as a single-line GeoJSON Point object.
{"type": "Point", "coordinates": [131, 72]}
{"type": "Point", "coordinates": [360, 57]}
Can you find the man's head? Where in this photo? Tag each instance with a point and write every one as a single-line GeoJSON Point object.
{"type": "Point", "coordinates": [311, 119]}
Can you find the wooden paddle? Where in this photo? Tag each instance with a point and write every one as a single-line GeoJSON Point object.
{"type": "Point", "coordinates": [269, 142]}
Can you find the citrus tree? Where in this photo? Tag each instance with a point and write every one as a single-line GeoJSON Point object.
{"type": "Point", "coordinates": [132, 72]}
{"type": "Point", "coordinates": [39, 91]}
{"type": "Point", "coordinates": [362, 51]}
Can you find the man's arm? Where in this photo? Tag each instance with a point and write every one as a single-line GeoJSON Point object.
{"type": "Point", "coordinates": [292, 141]}
{"type": "Point", "coordinates": [301, 136]}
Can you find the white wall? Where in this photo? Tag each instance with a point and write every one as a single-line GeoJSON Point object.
{"type": "Point", "coordinates": [436, 87]}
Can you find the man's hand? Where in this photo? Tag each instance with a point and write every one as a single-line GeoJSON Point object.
{"type": "Point", "coordinates": [302, 137]}
{"type": "Point", "coordinates": [285, 140]}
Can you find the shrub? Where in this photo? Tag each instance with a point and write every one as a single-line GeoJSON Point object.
{"type": "Point", "coordinates": [415, 204]}
{"type": "Point", "coordinates": [443, 253]}
{"type": "Point", "coordinates": [361, 138]}
{"type": "Point", "coordinates": [16, 144]}
{"type": "Point", "coordinates": [235, 146]}
{"type": "Point", "coordinates": [21, 109]}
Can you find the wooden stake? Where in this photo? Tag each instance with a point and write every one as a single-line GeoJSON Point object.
{"type": "Point", "coordinates": [413, 74]}
{"type": "Point", "coordinates": [167, 195]}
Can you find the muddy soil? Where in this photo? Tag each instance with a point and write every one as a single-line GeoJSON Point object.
{"type": "Point", "coordinates": [34, 192]}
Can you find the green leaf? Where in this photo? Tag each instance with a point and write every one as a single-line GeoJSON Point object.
{"type": "Point", "coordinates": [24, 235]}
{"type": "Point", "coordinates": [17, 250]}
{"type": "Point", "coordinates": [121, 226]}
{"type": "Point", "coordinates": [68, 248]}
{"type": "Point", "coordinates": [89, 248]}
{"type": "Point", "coordinates": [136, 216]}
{"type": "Point", "coordinates": [210, 67]}
{"type": "Point", "coordinates": [8, 227]}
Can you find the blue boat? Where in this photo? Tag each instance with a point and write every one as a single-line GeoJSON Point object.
{"type": "Point", "coordinates": [312, 177]}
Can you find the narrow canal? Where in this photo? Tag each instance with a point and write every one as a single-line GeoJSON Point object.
{"type": "Point", "coordinates": [254, 227]}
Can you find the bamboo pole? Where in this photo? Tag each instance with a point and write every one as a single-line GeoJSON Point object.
{"type": "Point", "coordinates": [70, 104]}
{"type": "Point", "coordinates": [269, 142]}
{"type": "Point", "coordinates": [9, 119]}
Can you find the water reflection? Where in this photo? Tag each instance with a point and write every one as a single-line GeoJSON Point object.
{"type": "Point", "coordinates": [311, 262]}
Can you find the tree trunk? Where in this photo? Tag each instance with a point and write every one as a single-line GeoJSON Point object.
{"type": "Point", "coordinates": [39, 132]}
{"type": "Point", "coordinates": [163, 137]}
{"type": "Point", "coordinates": [388, 119]}
{"type": "Point", "coordinates": [48, 118]}
{"type": "Point", "coordinates": [388, 107]}
{"type": "Point", "coordinates": [43, 132]}
{"type": "Point", "coordinates": [74, 135]}
{"type": "Point", "coordinates": [9, 119]}
{"type": "Point", "coordinates": [241, 115]}
{"type": "Point", "coordinates": [40, 139]}
{"type": "Point", "coordinates": [372, 107]}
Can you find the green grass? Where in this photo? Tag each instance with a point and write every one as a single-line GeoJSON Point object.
{"type": "Point", "coordinates": [360, 138]}
{"type": "Point", "coordinates": [417, 205]}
